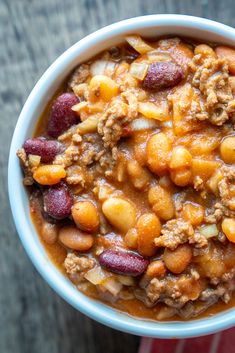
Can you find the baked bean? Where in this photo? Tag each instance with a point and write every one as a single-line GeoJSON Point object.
{"type": "Point", "coordinates": [49, 174]}
{"type": "Point", "coordinates": [228, 227]}
{"type": "Point", "coordinates": [131, 238]}
{"type": "Point", "coordinates": [228, 54]}
{"type": "Point", "coordinates": [204, 168]}
{"type": "Point", "coordinates": [211, 262]}
{"type": "Point", "coordinates": [177, 260]}
{"type": "Point", "coordinates": [49, 232]}
{"type": "Point", "coordinates": [204, 142]}
{"type": "Point", "coordinates": [166, 183]}
{"type": "Point", "coordinates": [181, 177]}
{"type": "Point", "coordinates": [120, 213]}
{"type": "Point", "coordinates": [214, 180]}
{"type": "Point", "coordinates": [161, 202]}
{"type": "Point", "coordinates": [204, 50]}
{"type": "Point", "coordinates": [73, 238]}
{"type": "Point", "coordinates": [86, 216]}
{"type": "Point", "coordinates": [180, 158]}
{"type": "Point", "coordinates": [193, 213]}
{"type": "Point", "coordinates": [138, 175]}
{"type": "Point", "coordinates": [227, 150]}
{"type": "Point", "coordinates": [156, 268]}
{"type": "Point", "coordinates": [158, 152]}
{"type": "Point", "coordinates": [102, 87]}
{"type": "Point", "coordinates": [139, 150]}
{"type": "Point", "coordinates": [148, 228]}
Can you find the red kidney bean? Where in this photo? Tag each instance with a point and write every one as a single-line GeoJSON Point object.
{"type": "Point", "coordinates": [162, 74]}
{"type": "Point", "coordinates": [46, 149]}
{"type": "Point", "coordinates": [57, 201]}
{"type": "Point", "coordinates": [62, 116]}
{"type": "Point", "coordinates": [123, 262]}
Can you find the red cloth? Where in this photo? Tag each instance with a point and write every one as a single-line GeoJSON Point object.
{"type": "Point", "coordinates": [222, 342]}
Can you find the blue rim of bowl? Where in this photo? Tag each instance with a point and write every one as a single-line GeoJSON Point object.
{"type": "Point", "coordinates": [93, 309]}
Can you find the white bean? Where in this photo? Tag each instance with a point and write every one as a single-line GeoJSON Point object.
{"type": "Point", "coordinates": [120, 213]}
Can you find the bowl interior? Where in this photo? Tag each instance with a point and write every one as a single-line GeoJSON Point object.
{"type": "Point", "coordinates": [148, 26]}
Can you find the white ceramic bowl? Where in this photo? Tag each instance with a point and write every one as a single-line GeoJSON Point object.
{"type": "Point", "coordinates": [150, 26]}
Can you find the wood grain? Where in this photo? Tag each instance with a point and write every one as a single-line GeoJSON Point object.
{"type": "Point", "coordinates": [32, 34]}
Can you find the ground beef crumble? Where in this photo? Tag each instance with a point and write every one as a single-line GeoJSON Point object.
{"type": "Point", "coordinates": [211, 78]}
{"type": "Point", "coordinates": [74, 263]}
{"type": "Point", "coordinates": [179, 201]}
{"type": "Point", "coordinates": [222, 291]}
{"type": "Point", "coordinates": [79, 76]}
{"type": "Point", "coordinates": [111, 123]}
{"type": "Point", "coordinates": [226, 186]}
{"type": "Point", "coordinates": [176, 232]}
{"type": "Point", "coordinates": [28, 176]}
{"type": "Point", "coordinates": [174, 291]}
{"type": "Point", "coordinates": [215, 215]}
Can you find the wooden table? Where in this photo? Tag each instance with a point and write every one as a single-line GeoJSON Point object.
{"type": "Point", "coordinates": [33, 319]}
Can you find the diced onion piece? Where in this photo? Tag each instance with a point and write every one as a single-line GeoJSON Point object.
{"type": "Point", "coordinates": [142, 124]}
{"type": "Point", "coordinates": [88, 125]}
{"type": "Point", "coordinates": [34, 160]}
{"type": "Point", "coordinates": [84, 286]}
{"type": "Point", "coordinates": [138, 70]}
{"type": "Point", "coordinates": [141, 95]}
{"type": "Point", "coordinates": [167, 123]}
{"type": "Point", "coordinates": [165, 313]}
{"type": "Point", "coordinates": [126, 295]}
{"type": "Point", "coordinates": [96, 107]}
{"type": "Point", "coordinates": [126, 280]}
{"type": "Point", "coordinates": [110, 67]}
{"type": "Point", "coordinates": [81, 89]}
{"type": "Point", "coordinates": [209, 231]}
{"type": "Point", "coordinates": [156, 55]}
{"type": "Point", "coordinates": [214, 180]}
{"type": "Point", "coordinates": [104, 192]}
{"type": "Point", "coordinates": [112, 285]}
{"type": "Point", "coordinates": [100, 67]}
{"type": "Point", "coordinates": [153, 111]}
{"type": "Point", "coordinates": [96, 275]}
{"type": "Point", "coordinates": [79, 106]}
{"type": "Point", "coordinates": [138, 44]}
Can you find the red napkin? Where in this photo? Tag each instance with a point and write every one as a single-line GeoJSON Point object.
{"type": "Point", "coordinates": [222, 342]}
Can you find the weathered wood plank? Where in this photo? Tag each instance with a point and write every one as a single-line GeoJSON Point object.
{"type": "Point", "coordinates": [32, 34]}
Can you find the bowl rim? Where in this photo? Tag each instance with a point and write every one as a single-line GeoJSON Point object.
{"type": "Point", "coordinates": [93, 309]}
